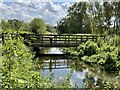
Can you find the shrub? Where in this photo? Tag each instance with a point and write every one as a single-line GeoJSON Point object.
{"type": "Point", "coordinates": [110, 63]}
{"type": "Point", "coordinates": [90, 48]}
{"type": "Point", "coordinates": [103, 52]}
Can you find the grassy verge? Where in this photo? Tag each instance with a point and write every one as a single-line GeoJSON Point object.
{"type": "Point", "coordinates": [103, 53]}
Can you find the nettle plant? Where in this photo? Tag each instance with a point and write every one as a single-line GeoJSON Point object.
{"type": "Point", "coordinates": [17, 63]}
{"type": "Point", "coordinates": [102, 52]}
{"type": "Point", "coordinates": [18, 70]}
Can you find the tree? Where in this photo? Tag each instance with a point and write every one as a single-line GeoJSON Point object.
{"type": "Point", "coordinates": [25, 28]}
{"type": "Point", "coordinates": [13, 25]}
{"type": "Point", "coordinates": [116, 15]}
{"type": "Point", "coordinates": [77, 20]}
{"type": "Point", "coordinates": [62, 26]}
{"type": "Point", "coordinates": [50, 28]}
{"type": "Point", "coordinates": [92, 17]}
{"type": "Point", "coordinates": [108, 13]}
{"type": "Point", "coordinates": [37, 25]}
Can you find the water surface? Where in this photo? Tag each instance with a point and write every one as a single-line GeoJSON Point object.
{"type": "Point", "coordinates": [82, 75]}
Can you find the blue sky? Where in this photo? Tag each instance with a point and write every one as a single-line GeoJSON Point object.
{"type": "Point", "coordinates": [26, 10]}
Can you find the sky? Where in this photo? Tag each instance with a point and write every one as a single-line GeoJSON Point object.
{"type": "Point", "coordinates": [51, 11]}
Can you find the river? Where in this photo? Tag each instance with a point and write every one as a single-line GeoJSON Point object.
{"type": "Point", "coordinates": [54, 63]}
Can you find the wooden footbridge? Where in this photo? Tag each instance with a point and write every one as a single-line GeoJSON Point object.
{"type": "Point", "coordinates": [56, 40]}
{"type": "Point", "coordinates": [68, 40]}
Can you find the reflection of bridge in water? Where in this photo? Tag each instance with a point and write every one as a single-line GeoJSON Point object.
{"type": "Point", "coordinates": [56, 64]}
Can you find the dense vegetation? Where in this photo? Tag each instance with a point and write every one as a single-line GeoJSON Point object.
{"type": "Point", "coordinates": [102, 52]}
{"type": "Point", "coordinates": [91, 17]}
{"type": "Point", "coordinates": [36, 26]}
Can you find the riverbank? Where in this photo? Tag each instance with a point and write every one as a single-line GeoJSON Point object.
{"type": "Point", "coordinates": [103, 53]}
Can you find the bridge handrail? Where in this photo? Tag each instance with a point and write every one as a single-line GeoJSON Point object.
{"type": "Point", "coordinates": [54, 34]}
{"type": "Point", "coordinates": [67, 38]}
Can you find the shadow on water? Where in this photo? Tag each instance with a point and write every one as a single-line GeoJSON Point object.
{"type": "Point", "coordinates": [82, 75]}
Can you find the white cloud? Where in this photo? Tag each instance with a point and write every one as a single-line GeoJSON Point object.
{"type": "Point", "coordinates": [1, 0]}
{"type": "Point", "coordinates": [27, 10]}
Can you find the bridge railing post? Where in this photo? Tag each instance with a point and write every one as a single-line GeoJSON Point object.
{"type": "Point", "coordinates": [42, 39]}
{"type": "Point", "coordinates": [55, 39]}
{"type": "Point", "coordinates": [68, 40]}
{"type": "Point", "coordinates": [81, 39]}
{"type": "Point", "coordinates": [65, 39]}
{"type": "Point", "coordinates": [87, 38]}
{"type": "Point", "coordinates": [96, 38]}
{"type": "Point", "coordinates": [76, 39]}
{"type": "Point", "coordinates": [93, 38]}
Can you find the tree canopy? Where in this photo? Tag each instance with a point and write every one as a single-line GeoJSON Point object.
{"type": "Point", "coordinates": [91, 17]}
{"type": "Point", "coordinates": [36, 25]}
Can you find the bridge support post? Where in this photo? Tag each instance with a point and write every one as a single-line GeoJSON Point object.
{"type": "Point", "coordinates": [50, 41]}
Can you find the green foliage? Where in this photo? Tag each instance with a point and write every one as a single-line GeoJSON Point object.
{"type": "Point", "coordinates": [103, 53]}
{"type": "Point", "coordinates": [18, 70]}
{"type": "Point", "coordinates": [12, 25]}
{"type": "Point", "coordinates": [50, 28]}
{"type": "Point", "coordinates": [25, 28]}
{"type": "Point", "coordinates": [76, 21]}
{"type": "Point", "coordinates": [90, 48]}
{"type": "Point", "coordinates": [92, 17]}
{"type": "Point", "coordinates": [37, 25]}
{"type": "Point", "coordinates": [16, 64]}
{"type": "Point", "coordinates": [106, 54]}
{"type": "Point", "coordinates": [110, 62]}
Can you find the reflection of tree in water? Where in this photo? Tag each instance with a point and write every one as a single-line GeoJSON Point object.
{"type": "Point", "coordinates": [98, 84]}
{"type": "Point", "coordinates": [89, 81]}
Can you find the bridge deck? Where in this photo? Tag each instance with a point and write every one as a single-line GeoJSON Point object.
{"type": "Point", "coordinates": [73, 40]}
{"type": "Point", "coordinates": [54, 40]}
